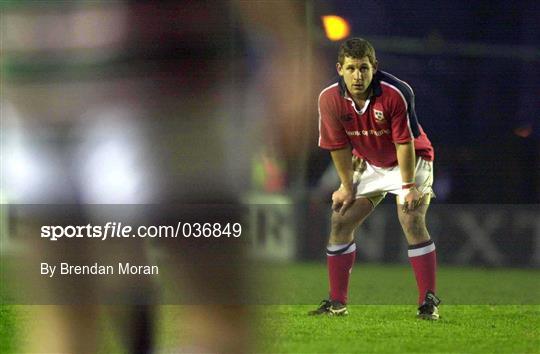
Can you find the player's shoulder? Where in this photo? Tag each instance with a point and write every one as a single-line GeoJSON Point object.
{"type": "Point", "coordinates": [393, 87]}
{"type": "Point", "coordinates": [331, 91]}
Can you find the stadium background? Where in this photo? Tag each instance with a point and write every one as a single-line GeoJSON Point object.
{"type": "Point", "coordinates": [473, 66]}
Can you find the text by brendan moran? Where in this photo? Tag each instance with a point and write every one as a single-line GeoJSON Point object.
{"type": "Point", "coordinates": [97, 269]}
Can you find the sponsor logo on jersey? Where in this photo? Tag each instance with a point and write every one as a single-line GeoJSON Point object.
{"type": "Point", "coordinates": [346, 117]}
{"type": "Point", "coordinates": [368, 132]}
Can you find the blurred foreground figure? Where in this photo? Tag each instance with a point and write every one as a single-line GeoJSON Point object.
{"type": "Point", "coordinates": [129, 105]}
{"type": "Point", "coordinates": [369, 124]}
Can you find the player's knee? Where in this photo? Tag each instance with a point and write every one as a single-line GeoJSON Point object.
{"type": "Point", "coordinates": [342, 227]}
{"type": "Point", "coordinates": [414, 225]}
{"type": "Point", "coordinates": [340, 222]}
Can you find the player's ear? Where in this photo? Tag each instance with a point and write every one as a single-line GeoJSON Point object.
{"type": "Point", "coordinates": [375, 66]}
{"type": "Point", "coordinates": [339, 69]}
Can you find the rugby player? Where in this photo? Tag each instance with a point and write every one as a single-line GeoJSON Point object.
{"type": "Point", "coordinates": [368, 122]}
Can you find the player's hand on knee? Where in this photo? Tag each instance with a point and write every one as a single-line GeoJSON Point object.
{"type": "Point", "coordinates": [413, 199]}
{"type": "Point", "coordinates": [342, 199]}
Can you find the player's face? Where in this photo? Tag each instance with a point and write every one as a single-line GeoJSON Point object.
{"type": "Point", "coordinates": [357, 74]}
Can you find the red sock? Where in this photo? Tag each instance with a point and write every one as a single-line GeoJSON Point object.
{"type": "Point", "coordinates": [340, 262]}
{"type": "Point", "coordinates": [423, 259]}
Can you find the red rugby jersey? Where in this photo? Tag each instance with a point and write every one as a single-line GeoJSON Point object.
{"type": "Point", "coordinates": [388, 117]}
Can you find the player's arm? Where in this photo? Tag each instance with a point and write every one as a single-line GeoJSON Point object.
{"type": "Point", "coordinates": [343, 198]}
{"type": "Point", "coordinates": [332, 137]}
{"type": "Point", "coordinates": [406, 157]}
{"type": "Point", "coordinates": [402, 108]}
{"type": "Point", "coordinates": [342, 159]}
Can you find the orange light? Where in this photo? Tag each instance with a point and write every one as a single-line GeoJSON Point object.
{"type": "Point", "coordinates": [336, 27]}
{"type": "Point", "coordinates": [523, 132]}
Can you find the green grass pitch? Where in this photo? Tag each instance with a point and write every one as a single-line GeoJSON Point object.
{"type": "Point", "coordinates": [393, 329]}
{"type": "Point", "coordinates": [483, 311]}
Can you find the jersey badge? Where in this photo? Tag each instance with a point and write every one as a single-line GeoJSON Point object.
{"type": "Point", "coordinates": [379, 116]}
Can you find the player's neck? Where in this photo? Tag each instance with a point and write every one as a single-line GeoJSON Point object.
{"type": "Point", "coordinates": [361, 99]}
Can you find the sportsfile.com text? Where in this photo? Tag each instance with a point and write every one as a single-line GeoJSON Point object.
{"type": "Point", "coordinates": [119, 230]}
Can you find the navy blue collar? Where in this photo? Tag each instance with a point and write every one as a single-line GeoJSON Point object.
{"type": "Point", "coordinates": [375, 85]}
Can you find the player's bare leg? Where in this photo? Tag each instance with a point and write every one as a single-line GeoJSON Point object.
{"type": "Point", "coordinates": [341, 252]}
{"type": "Point", "coordinates": [413, 222]}
{"type": "Point", "coordinates": [343, 226]}
{"type": "Point", "coordinates": [422, 256]}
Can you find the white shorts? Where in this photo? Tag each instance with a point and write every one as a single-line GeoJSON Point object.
{"type": "Point", "coordinates": [374, 182]}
